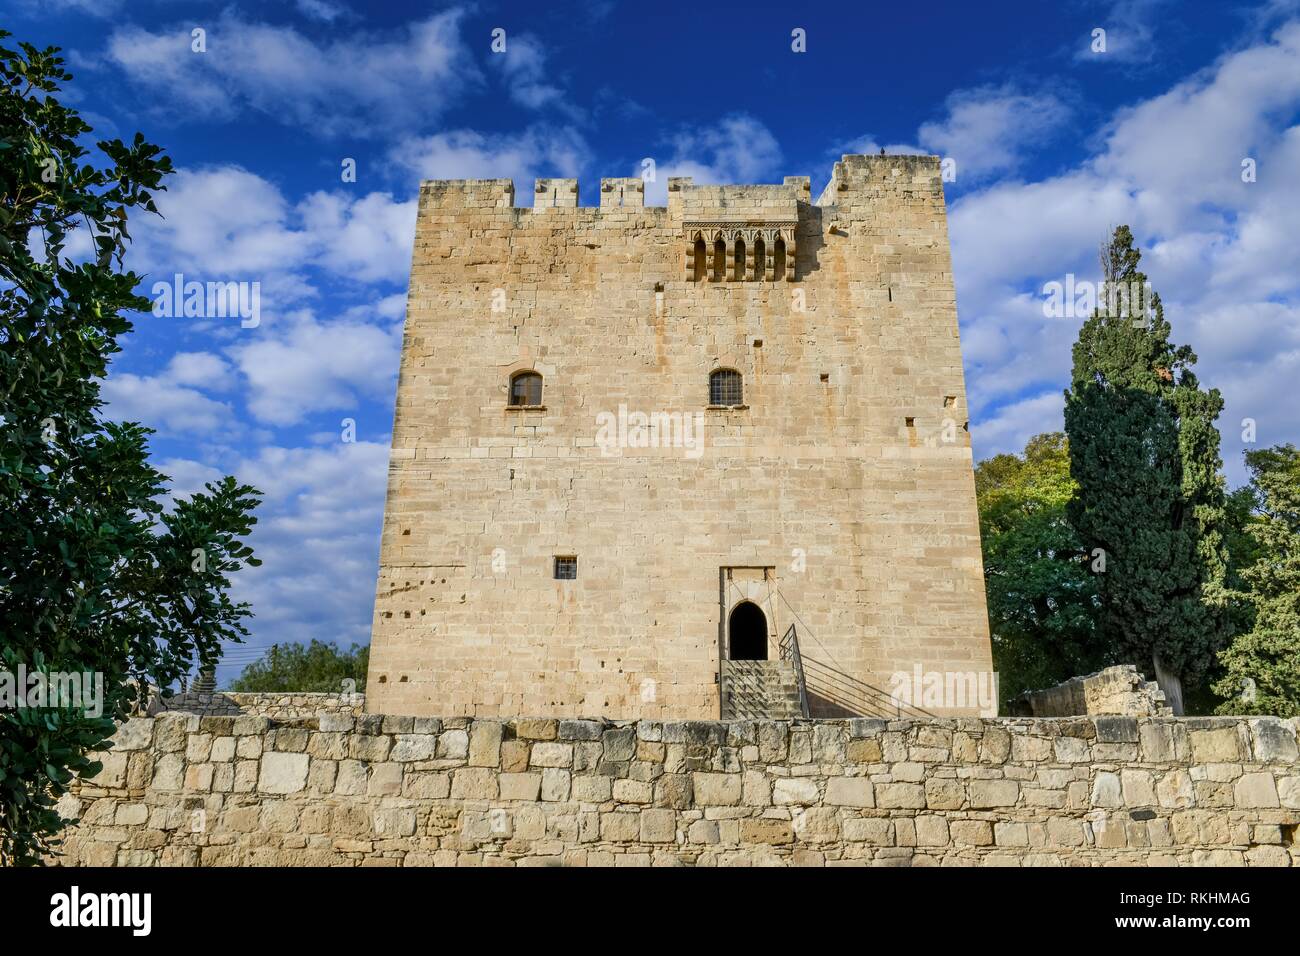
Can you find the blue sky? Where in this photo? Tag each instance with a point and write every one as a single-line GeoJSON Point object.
{"type": "Point", "coordinates": [1053, 144]}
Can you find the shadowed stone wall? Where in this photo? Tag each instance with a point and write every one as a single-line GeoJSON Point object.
{"type": "Point", "coordinates": [277, 706]}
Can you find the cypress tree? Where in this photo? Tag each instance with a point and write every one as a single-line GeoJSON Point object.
{"type": "Point", "coordinates": [1150, 504]}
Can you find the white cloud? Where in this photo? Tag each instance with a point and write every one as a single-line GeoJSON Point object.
{"type": "Point", "coordinates": [169, 401]}
{"type": "Point", "coordinates": [737, 149]}
{"type": "Point", "coordinates": [323, 10]}
{"type": "Point", "coordinates": [367, 239]}
{"type": "Point", "coordinates": [221, 222]}
{"type": "Point", "coordinates": [524, 69]}
{"type": "Point", "coordinates": [309, 365]}
{"type": "Point", "coordinates": [1016, 422]}
{"type": "Point", "coordinates": [362, 84]}
{"type": "Point", "coordinates": [988, 130]}
{"type": "Point", "coordinates": [390, 306]}
{"type": "Point", "coordinates": [201, 370]}
{"type": "Point", "coordinates": [467, 154]}
{"type": "Point", "coordinates": [224, 223]}
{"type": "Point", "coordinates": [1130, 27]}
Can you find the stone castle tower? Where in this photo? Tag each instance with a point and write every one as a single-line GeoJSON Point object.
{"type": "Point", "coordinates": [697, 461]}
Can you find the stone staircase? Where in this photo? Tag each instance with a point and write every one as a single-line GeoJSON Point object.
{"type": "Point", "coordinates": [759, 690]}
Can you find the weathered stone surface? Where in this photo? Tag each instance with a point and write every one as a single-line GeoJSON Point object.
{"type": "Point", "coordinates": [134, 734]}
{"type": "Point", "coordinates": [971, 832]}
{"type": "Point", "coordinates": [743, 792]}
{"type": "Point", "coordinates": [591, 788]}
{"type": "Point", "coordinates": [1111, 730]}
{"type": "Point", "coordinates": [536, 729]}
{"type": "Point", "coordinates": [817, 825]}
{"type": "Point", "coordinates": [453, 744]}
{"type": "Point", "coordinates": [485, 743]}
{"type": "Point", "coordinates": [766, 831]}
{"type": "Point", "coordinates": [411, 747]}
{"type": "Point", "coordinates": [520, 786]}
{"type": "Point", "coordinates": [1070, 749]}
{"type": "Point", "coordinates": [1106, 790]}
{"type": "Point", "coordinates": [658, 826]}
{"type": "Point", "coordinates": [168, 772]}
{"type": "Point", "coordinates": [717, 789]}
{"type": "Point", "coordinates": [993, 793]}
{"type": "Point", "coordinates": [944, 794]}
{"type": "Point", "coordinates": [1216, 746]}
{"type": "Point", "coordinates": [900, 796]}
{"type": "Point", "coordinates": [794, 790]}
{"type": "Point", "coordinates": [556, 784]}
{"type": "Point", "coordinates": [474, 783]}
{"type": "Point", "coordinates": [551, 755]}
{"type": "Point", "coordinates": [1274, 740]}
{"type": "Point", "coordinates": [581, 730]}
{"type": "Point", "coordinates": [283, 772]}
{"type": "Point", "coordinates": [850, 792]}
{"type": "Point", "coordinates": [1139, 789]}
{"type": "Point", "coordinates": [1256, 790]}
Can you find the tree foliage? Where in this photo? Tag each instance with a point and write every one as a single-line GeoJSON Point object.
{"type": "Point", "coordinates": [95, 575]}
{"type": "Point", "coordinates": [1262, 667]}
{"type": "Point", "coordinates": [295, 667]}
{"type": "Point", "coordinates": [1144, 451]}
{"type": "Point", "coordinates": [1042, 597]}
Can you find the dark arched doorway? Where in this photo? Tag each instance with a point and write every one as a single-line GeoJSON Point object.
{"type": "Point", "coordinates": [748, 633]}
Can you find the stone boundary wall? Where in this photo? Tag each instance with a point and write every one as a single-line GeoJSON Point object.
{"type": "Point", "coordinates": [373, 790]}
{"type": "Point", "coordinates": [277, 706]}
{"type": "Point", "coordinates": [1112, 690]}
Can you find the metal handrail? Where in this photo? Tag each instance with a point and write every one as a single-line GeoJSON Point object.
{"type": "Point", "coordinates": [789, 650]}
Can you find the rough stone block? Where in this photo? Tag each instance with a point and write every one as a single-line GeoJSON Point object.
{"type": "Point", "coordinates": [1256, 790]}
{"type": "Point", "coordinates": [283, 772]}
{"type": "Point", "coordinates": [993, 793]}
{"type": "Point", "coordinates": [717, 789]}
{"type": "Point", "coordinates": [794, 790]}
{"type": "Point", "coordinates": [900, 796]}
{"type": "Point", "coordinates": [520, 786]}
{"type": "Point", "coordinates": [849, 792]}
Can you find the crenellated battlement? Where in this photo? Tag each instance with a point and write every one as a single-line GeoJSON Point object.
{"type": "Point", "coordinates": [728, 232]}
{"type": "Point", "coordinates": [703, 203]}
{"type": "Point", "coordinates": [622, 192]}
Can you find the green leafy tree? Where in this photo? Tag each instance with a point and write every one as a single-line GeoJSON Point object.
{"type": "Point", "coordinates": [1042, 597]}
{"type": "Point", "coordinates": [1261, 669]}
{"type": "Point", "coordinates": [296, 667]}
{"type": "Point", "coordinates": [1144, 451]}
{"type": "Point", "coordinates": [95, 576]}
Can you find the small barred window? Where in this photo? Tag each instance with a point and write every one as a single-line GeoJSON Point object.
{"type": "Point", "coordinates": [566, 569]}
{"type": "Point", "coordinates": [726, 387]}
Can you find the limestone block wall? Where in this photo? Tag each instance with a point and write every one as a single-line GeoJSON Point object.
{"type": "Point", "coordinates": [373, 790]}
{"type": "Point", "coordinates": [839, 496]}
{"type": "Point", "coordinates": [277, 706]}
